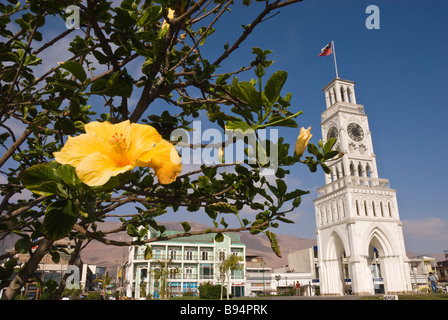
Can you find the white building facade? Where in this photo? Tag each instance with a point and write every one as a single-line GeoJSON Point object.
{"type": "Point", "coordinates": [359, 232]}
{"type": "Point", "coordinates": [188, 263]}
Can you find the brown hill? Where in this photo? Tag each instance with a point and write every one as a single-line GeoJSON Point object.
{"type": "Point", "coordinates": [111, 257]}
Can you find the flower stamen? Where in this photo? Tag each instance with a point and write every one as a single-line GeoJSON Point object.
{"type": "Point", "coordinates": [118, 143]}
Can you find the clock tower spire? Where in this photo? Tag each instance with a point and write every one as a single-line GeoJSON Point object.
{"type": "Point", "coordinates": [359, 231]}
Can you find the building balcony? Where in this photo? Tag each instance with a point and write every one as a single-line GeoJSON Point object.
{"type": "Point", "coordinates": [353, 181]}
{"type": "Point", "coordinates": [176, 258]}
{"type": "Point", "coordinates": [342, 106]}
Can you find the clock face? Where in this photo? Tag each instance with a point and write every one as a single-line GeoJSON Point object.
{"type": "Point", "coordinates": [355, 131]}
{"type": "Point", "coordinates": [332, 133]}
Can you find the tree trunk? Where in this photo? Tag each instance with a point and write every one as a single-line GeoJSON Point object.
{"type": "Point", "coordinates": [73, 258]}
{"type": "Point", "coordinates": [19, 281]}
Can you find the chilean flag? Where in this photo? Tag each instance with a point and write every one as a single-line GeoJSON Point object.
{"type": "Point", "coordinates": [326, 51]}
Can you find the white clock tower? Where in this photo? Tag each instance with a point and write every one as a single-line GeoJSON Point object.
{"type": "Point", "coordinates": [359, 232]}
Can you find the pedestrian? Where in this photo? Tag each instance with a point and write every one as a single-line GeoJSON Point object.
{"type": "Point", "coordinates": [297, 288]}
{"type": "Point", "coordinates": [432, 280]}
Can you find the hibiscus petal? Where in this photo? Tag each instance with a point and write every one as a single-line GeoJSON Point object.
{"type": "Point", "coordinates": [164, 160]}
{"type": "Point", "coordinates": [77, 148]}
{"type": "Point", "coordinates": [143, 139]}
{"type": "Point", "coordinates": [106, 130]}
{"type": "Point", "coordinates": [97, 168]}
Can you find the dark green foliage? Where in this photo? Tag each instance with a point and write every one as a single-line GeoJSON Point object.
{"type": "Point", "coordinates": [178, 82]}
{"type": "Point", "coordinates": [211, 292]}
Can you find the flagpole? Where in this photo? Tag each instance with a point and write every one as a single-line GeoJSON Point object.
{"type": "Point", "coordinates": [334, 55]}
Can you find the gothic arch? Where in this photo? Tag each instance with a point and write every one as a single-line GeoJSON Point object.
{"type": "Point", "coordinates": [352, 169]}
{"type": "Point", "coordinates": [380, 239]}
{"type": "Point", "coordinates": [360, 173]}
{"type": "Point", "coordinates": [368, 171]}
{"type": "Point", "coordinates": [336, 246]}
{"type": "Point", "coordinates": [343, 208]}
{"type": "Point", "coordinates": [389, 209]}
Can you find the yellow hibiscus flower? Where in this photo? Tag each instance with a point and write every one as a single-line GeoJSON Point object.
{"type": "Point", "coordinates": [106, 150]}
{"type": "Point", "coordinates": [302, 140]}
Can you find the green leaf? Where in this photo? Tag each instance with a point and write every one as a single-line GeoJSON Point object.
{"type": "Point", "coordinates": [32, 60]}
{"type": "Point", "coordinates": [273, 189]}
{"type": "Point", "coordinates": [219, 237]}
{"type": "Point", "coordinates": [246, 92]}
{"type": "Point", "coordinates": [274, 85]}
{"type": "Point", "coordinates": [75, 68]}
{"type": "Point", "coordinates": [7, 269]}
{"type": "Point", "coordinates": [55, 256]}
{"type": "Point", "coordinates": [23, 245]}
{"type": "Point", "coordinates": [329, 144]}
{"type": "Point", "coordinates": [331, 154]}
{"type": "Point", "coordinates": [150, 15]}
{"type": "Point", "coordinates": [43, 180]}
{"type": "Point", "coordinates": [294, 194]}
{"type": "Point", "coordinates": [123, 19]}
{"type": "Point", "coordinates": [8, 56]}
{"type": "Point", "coordinates": [274, 243]}
{"type": "Point", "coordinates": [148, 253]}
{"type": "Point", "coordinates": [68, 174]}
{"type": "Point", "coordinates": [224, 223]}
{"type": "Point", "coordinates": [240, 125]}
{"type": "Point", "coordinates": [284, 220]}
{"type": "Point", "coordinates": [59, 220]}
{"type": "Point", "coordinates": [279, 120]}
{"type": "Point", "coordinates": [281, 187]}
{"type": "Point", "coordinates": [186, 226]}
{"type": "Point", "coordinates": [297, 201]}
{"type": "Point", "coordinates": [313, 149]}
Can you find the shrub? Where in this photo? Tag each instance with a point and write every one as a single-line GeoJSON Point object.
{"type": "Point", "coordinates": [210, 291]}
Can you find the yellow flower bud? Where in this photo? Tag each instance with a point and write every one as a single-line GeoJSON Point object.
{"type": "Point", "coordinates": [170, 16]}
{"type": "Point", "coordinates": [221, 155]}
{"type": "Point", "coordinates": [302, 141]}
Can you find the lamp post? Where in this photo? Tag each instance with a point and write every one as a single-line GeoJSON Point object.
{"type": "Point", "coordinates": [264, 287]}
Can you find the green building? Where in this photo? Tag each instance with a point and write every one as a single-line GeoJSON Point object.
{"type": "Point", "coordinates": [181, 265]}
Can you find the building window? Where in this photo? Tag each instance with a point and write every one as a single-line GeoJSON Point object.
{"type": "Point", "coordinates": [204, 255]}
{"type": "Point", "coordinates": [373, 207]}
{"type": "Point", "coordinates": [357, 207]}
{"type": "Point", "coordinates": [157, 253]}
{"type": "Point", "coordinates": [189, 254]}
{"type": "Point", "coordinates": [221, 254]}
{"type": "Point", "coordinates": [206, 271]}
{"type": "Point", "coordinates": [360, 170]}
{"type": "Point", "coordinates": [143, 274]}
{"type": "Point", "coordinates": [173, 272]}
{"type": "Point", "coordinates": [365, 207]}
{"type": "Point", "coordinates": [173, 254]}
{"type": "Point", "coordinates": [390, 210]}
{"type": "Point", "coordinates": [189, 273]}
{"type": "Point", "coordinates": [368, 171]}
{"type": "Point", "coordinates": [352, 169]}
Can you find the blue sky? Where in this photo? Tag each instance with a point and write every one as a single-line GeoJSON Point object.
{"type": "Point", "coordinates": [400, 74]}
